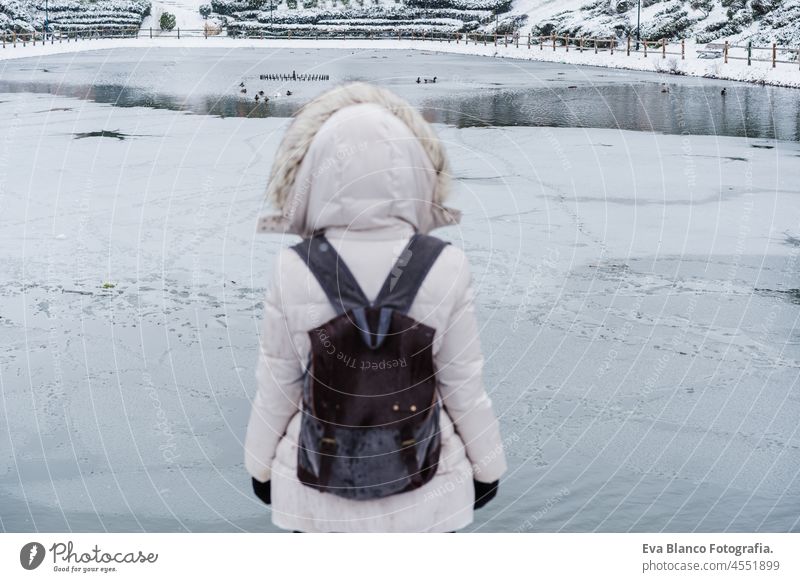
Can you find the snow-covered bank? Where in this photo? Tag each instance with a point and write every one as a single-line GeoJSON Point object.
{"type": "Point", "coordinates": [637, 293]}
{"type": "Point", "coordinates": [760, 72]}
{"type": "Point", "coordinates": [762, 21]}
{"type": "Point", "coordinates": [108, 16]}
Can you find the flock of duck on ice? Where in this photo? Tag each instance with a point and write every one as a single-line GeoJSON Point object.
{"type": "Point", "coordinates": [262, 96]}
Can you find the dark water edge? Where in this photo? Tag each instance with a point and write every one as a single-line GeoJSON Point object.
{"type": "Point", "coordinates": [752, 112]}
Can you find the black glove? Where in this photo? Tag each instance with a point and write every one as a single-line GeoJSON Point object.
{"type": "Point", "coordinates": [263, 491]}
{"type": "Point", "coordinates": [484, 493]}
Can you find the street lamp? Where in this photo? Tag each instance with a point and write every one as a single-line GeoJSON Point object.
{"type": "Point", "coordinates": [638, 24]}
{"type": "Point", "coordinates": [44, 30]}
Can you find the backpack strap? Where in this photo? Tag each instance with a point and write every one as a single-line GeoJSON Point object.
{"type": "Point", "coordinates": [406, 277]}
{"type": "Point", "coordinates": [333, 275]}
{"type": "Point", "coordinates": [345, 294]}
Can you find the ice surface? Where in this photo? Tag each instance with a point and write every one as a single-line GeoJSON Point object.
{"type": "Point", "coordinates": [736, 70]}
{"type": "Point", "coordinates": [469, 91]}
{"type": "Point", "coordinates": [637, 293]}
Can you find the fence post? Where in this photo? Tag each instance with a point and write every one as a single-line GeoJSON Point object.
{"type": "Point", "coordinates": [774, 54]}
{"type": "Point", "coordinates": [595, 45]}
{"type": "Point", "coordinates": [645, 48]}
{"type": "Point", "coordinates": [529, 41]}
{"type": "Point", "coordinates": [553, 36]}
{"type": "Point", "coordinates": [749, 53]}
{"type": "Point", "coordinates": [726, 52]}
{"type": "Point", "coordinates": [612, 43]}
{"type": "Point", "coordinates": [495, 39]}
{"type": "Point", "coordinates": [151, 32]}
{"type": "Point", "coordinates": [516, 41]}
{"type": "Point", "coordinates": [4, 39]}
{"type": "Point", "coordinates": [629, 45]}
{"type": "Point", "coordinates": [683, 49]}
{"type": "Point", "coordinates": [179, 33]}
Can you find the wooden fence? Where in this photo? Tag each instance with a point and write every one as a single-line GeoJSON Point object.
{"type": "Point", "coordinates": [727, 52]}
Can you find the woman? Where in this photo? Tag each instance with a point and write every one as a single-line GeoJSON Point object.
{"type": "Point", "coordinates": [361, 166]}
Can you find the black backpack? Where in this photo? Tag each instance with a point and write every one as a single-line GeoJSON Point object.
{"type": "Point", "coordinates": [370, 417]}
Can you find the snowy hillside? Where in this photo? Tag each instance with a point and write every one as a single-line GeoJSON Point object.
{"type": "Point", "coordinates": [762, 21]}
{"type": "Point", "coordinates": [705, 20]}
{"type": "Point", "coordinates": [101, 15]}
{"type": "Point", "coordinates": [358, 17]}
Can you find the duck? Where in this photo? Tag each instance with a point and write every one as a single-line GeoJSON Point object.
{"type": "Point", "coordinates": [418, 80]}
{"type": "Point", "coordinates": [288, 93]}
{"type": "Point", "coordinates": [724, 91]}
{"type": "Point", "coordinates": [243, 91]}
{"type": "Point", "coordinates": [665, 89]}
{"type": "Point", "coordinates": [430, 80]}
{"type": "Point", "coordinates": [241, 84]}
{"type": "Point", "coordinates": [261, 92]}
{"type": "Point", "coordinates": [256, 98]}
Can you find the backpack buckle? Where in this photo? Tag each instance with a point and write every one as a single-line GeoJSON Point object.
{"type": "Point", "coordinates": [327, 445]}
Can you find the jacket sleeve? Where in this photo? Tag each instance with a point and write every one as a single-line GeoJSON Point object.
{"type": "Point", "coordinates": [279, 382]}
{"type": "Point", "coordinates": [459, 367]}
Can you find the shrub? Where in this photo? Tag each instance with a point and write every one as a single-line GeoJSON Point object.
{"type": "Point", "coordinates": [167, 21]}
{"type": "Point", "coordinates": [704, 6]}
{"type": "Point", "coordinates": [205, 10]}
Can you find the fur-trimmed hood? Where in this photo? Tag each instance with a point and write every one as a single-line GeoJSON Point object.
{"type": "Point", "coordinates": [358, 157]}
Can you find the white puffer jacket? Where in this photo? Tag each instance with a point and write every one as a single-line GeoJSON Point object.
{"type": "Point", "coordinates": [362, 166]}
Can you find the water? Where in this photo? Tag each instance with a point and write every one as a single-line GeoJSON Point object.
{"type": "Point", "coordinates": [470, 91]}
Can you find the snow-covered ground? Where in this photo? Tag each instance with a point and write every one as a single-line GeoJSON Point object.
{"type": "Point", "coordinates": [637, 293]}
{"type": "Point", "coordinates": [760, 72]}
{"type": "Point", "coordinates": [762, 21]}
{"type": "Point", "coordinates": [187, 14]}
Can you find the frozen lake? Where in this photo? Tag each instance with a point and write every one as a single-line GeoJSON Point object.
{"type": "Point", "coordinates": [638, 295]}
{"type": "Point", "coordinates": [470, 91]}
